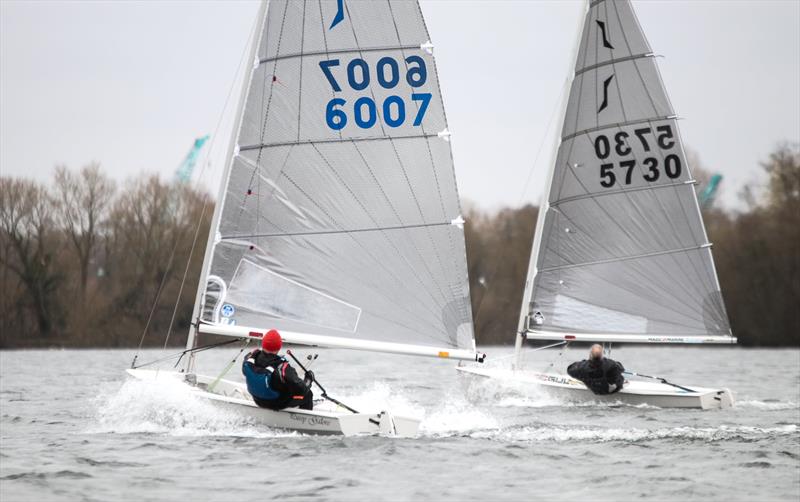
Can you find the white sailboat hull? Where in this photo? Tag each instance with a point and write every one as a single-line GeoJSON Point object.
{"type": "Point", "coordinates": [327, 418]}
{"type": "Point", "coordinates": [634, 392]}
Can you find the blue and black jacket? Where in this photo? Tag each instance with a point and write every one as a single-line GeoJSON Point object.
{"type": "Point", "coordinates": [271, 381]}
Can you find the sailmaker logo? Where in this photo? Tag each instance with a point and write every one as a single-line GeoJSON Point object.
{"type": "Point", "coordinates": [339, 17]}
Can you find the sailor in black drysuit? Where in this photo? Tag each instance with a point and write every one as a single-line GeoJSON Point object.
{"type": "Point", "coordinates": [272, 382]}
{"type": "Point", "coordinates": [600, 374]}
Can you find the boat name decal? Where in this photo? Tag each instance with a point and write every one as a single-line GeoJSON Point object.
{"type": "Point", "coordinates": [310, 420]}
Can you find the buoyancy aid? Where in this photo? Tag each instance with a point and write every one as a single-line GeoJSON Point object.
{"type": "Point", "coordinates": [264, 382]}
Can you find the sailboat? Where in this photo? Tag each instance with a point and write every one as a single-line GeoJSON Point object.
{"type": "Point", "coordinates": [620, 253]}
{"type": "Point", "coordinates": [338, 219]}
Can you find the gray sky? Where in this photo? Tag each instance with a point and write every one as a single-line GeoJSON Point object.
{"type": "Point", "coordinates": [131, 84]}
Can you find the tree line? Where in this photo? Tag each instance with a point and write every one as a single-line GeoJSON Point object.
{"type": "Point", "coordinates": [87, 263]}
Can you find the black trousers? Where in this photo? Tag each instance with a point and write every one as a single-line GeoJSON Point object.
{"type": "Point", "coordinates": [304, 402]}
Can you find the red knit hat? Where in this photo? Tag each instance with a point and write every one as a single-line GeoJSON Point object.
{"type": "Point", "coordinates": [272, 341]}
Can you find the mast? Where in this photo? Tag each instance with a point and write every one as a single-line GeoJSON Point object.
{"type": "Point", "coordinates": [544, 205]}
{"type": "Point", "coordinates": [250, 64]}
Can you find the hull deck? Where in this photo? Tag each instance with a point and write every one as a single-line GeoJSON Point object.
{"type": "Point", "coordinates": [326, 418]}
{"type": "Point", "coordinates": [634, 392]}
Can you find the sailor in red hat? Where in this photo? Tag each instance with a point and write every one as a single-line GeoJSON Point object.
{"type": "Point", "coordinates": [272, 381]}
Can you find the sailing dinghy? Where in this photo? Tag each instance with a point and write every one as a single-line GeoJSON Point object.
{"type": "Point", "coordinates": [338, 220]}
{"type": "Point", "coordinates": [620, 253]}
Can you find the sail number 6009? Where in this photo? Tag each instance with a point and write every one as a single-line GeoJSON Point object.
{"type": "Point", "coordinates": [364, 110]}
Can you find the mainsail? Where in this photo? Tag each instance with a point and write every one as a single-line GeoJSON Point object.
{"type": "Point", "coordinates": [621, 253]}
{"type": "Point", "coordinates": [339, 220]}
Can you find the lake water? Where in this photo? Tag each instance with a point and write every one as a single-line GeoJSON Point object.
{"type": "Point", "coordinates": [74, 427]}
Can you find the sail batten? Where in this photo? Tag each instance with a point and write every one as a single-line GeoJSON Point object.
{"type": "Point", "coordinates": [339, 52]}
{"type": "Point", "coordinates": [622, 249]}
{"type": "Point", "coordinates": [335, 140]}
{"type": "Point", "coordinates": [340, 212]}
{"type": "Point", "coordinates": [614, 61]}
{"type": "Point", "coordinates": [617, 125]}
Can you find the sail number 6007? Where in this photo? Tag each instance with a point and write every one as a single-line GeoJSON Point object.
{"type": "Point", "coordinates": [364, 110]}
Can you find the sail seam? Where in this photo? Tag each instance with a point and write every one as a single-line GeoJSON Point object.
{"type": "Point", "coordinates": [617, 124]}
{"type": "Point", "coordinates": [334, 140]}
{"type": "Point", "coordinates": [334, 232]}
{"type": "Point", "coordinates": [617, 192]}
{"type": "Point", "coordinates": [339, 51]}
{"type": "Point", "coordinates": [625, 258]}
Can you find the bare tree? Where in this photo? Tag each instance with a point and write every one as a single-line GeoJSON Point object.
{"type": "Point", "coordinates": [83, 199]}
{"type": "Point", "coordinates": [27, 229]}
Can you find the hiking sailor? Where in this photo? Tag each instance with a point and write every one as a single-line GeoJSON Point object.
{"type": "Point", "coordinates": [271, 381]}
{"type": "Point", "coordinates": [600, 374]}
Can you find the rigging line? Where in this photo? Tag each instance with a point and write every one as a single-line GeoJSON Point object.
{"type": "Point", "coordinates": [184, 352]}
{"type": "Point", "coordinates": [300, 78]}
{"type": "Point", "coordinates": [200, 177]}
{"type": "Point", "coordinates": [228, 367]}
{"type": "Point", "coordinates": [553, 113]}
{"type": "Point", "coordinates": [678, 141]}
{"type": "Point", "coordinates": [331, 232]}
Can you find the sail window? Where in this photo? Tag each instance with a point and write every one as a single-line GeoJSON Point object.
{"type": "Point", "coordinates": [262, 291]}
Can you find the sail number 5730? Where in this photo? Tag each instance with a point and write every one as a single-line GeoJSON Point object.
{"type": "Point", "coordinates": [364, 110]}
{"type": "Point", "coordinates": [651, 169]}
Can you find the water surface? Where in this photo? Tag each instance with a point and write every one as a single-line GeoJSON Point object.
{"type": "Point", "coordinates": [74, 427]}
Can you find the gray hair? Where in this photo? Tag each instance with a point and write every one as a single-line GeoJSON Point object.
{"type": "Point", "coordinates": [596, 352]}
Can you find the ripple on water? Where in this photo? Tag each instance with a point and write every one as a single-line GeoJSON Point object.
{"type": "Point", "coordinates": [34, 475]}
{"type": "Point", "coordinates": [758, 465]}
{"type": "Point", "coordinates": [107, 463]}
{"type": "Point", "coordinates": [547, 433]}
